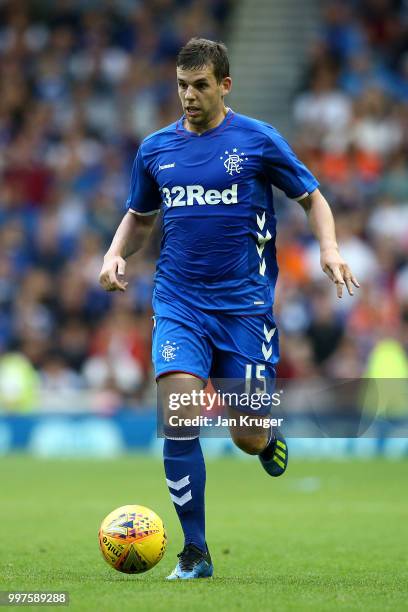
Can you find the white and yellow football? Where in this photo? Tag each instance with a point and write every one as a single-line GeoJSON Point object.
{"type": "Point", "coordinates": [132, 539]}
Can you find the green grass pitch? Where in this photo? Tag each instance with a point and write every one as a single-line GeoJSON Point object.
{"type": "Point", "coordinates": [327, 536]}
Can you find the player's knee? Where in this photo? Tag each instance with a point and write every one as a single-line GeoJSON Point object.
{"type": "Point", "coordinates": [252, 445]}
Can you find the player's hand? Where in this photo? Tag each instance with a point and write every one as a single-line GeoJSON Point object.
{"type": "Point", "coordinates": [337, 270]}
{"type": "Point", "coordinates": [112, 273]}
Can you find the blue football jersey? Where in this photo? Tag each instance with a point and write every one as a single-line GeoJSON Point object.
{"type": "Point", "coordinates": [218, 245]}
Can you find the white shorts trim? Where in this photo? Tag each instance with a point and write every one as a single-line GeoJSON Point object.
{"type": "Point", "coordinates": [186, 438]}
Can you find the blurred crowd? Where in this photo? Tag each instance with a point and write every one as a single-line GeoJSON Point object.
{"type": "Point", "coordinates": [81, 87]}
{"type": "Point", "coordinates": [351, 130]}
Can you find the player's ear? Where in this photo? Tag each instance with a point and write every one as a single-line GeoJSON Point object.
{"type": "Point", "coordinates": [226, 85]}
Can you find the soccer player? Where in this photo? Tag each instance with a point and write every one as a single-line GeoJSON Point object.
{"type": "Point", "coordinates": [210, 173]}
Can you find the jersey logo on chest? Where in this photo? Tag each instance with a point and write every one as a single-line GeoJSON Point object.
{"type": "Point", "coordinates": [233, 161]}
{"type": "Point", "coordinates": [196, 194]}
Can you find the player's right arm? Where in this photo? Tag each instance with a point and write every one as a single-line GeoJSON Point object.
{"type": "Point", "coordinates": [143, 204]}
{"type": "Point", "coordinates": [130, 236]}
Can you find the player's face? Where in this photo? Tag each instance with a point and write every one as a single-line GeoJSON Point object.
{"type": "Point", "coordinates": [202, 97]}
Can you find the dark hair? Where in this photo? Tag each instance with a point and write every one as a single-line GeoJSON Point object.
{"type": "Point", "coordinates": [200, 52]}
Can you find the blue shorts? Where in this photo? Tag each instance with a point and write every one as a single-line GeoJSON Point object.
{"type": "Point", "coordinates": [213, 345]}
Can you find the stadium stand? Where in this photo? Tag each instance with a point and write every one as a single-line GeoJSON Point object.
{"type": "Point", "coordinates": [81, 86]}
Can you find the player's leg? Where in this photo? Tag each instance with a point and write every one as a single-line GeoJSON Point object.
{"type": "Point", "coordinates": [185, 475]}
{"type": "Point", "coordinates": [250, 439]}
{"type": "Point", "coordinates": [245, 357]}
{"type": "Point", "coordinates": [269, 444]}
{"type": "Point", "coordinates": [181, 348]}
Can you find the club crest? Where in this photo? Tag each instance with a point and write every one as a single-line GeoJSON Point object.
{"type": "Point", "coordinates": [233, 161]}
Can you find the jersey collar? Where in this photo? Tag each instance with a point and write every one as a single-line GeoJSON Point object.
{"type": "Point", "coordinates": [219, 128]}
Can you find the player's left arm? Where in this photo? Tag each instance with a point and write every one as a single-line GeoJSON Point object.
{"type": "Point", "coordinates": [321, 222]}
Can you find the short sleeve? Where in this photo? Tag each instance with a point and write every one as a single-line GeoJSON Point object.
{"type": "Point", "coordinates": [284, 169]}
{"type": "Point", "coordinates": [144, 195]}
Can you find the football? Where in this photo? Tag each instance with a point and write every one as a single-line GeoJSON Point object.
{"type": "Point", "coordinates": [132, 539]}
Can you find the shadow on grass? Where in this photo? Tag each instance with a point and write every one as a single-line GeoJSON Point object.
{"type": "Point", "coordinates": [312, 581]}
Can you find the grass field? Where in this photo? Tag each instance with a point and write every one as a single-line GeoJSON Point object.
{"type": "Point", "coordinates": [326, 536]}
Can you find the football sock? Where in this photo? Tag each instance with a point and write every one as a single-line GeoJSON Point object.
{"type": "Point", "coordinates": [185, 476]}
